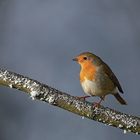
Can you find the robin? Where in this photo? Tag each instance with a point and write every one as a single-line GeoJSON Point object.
{"type": "Point", "coordinates": [97, 79]}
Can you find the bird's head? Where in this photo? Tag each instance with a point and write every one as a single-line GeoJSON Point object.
{"type": "Point", "coordinates": [87, 58]}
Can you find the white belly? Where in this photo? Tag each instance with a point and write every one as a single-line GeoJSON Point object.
{"type": "Point", "coordinates": [91, 88]}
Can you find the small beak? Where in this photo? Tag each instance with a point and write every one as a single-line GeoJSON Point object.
{"type": "Point", "coordinates": [75, 59]}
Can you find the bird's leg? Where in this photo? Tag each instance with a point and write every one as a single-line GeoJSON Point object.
{"type": "Point", "coordinates": [83, 97]}
{"type": "Point", "coordinates": [98, 104]}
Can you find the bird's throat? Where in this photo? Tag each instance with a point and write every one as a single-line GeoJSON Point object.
{"type": "Point", "coordinates": [88, 71]}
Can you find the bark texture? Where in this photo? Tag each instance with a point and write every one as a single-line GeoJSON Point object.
{"type": "Point", "coordinates": [70, 103]}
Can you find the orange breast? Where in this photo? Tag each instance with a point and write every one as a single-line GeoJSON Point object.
{"type": "Point", "coordinates": [88, 71]}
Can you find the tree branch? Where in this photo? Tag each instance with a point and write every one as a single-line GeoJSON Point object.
{"type": "Point", "coordinates": [70, 103]}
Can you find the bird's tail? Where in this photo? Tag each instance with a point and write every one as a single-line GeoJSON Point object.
{"type": "Point", "coordinates": [120, 99]}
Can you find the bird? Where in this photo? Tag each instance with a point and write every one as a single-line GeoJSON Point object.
{"type": "Point", "coordinates": [97, 78]}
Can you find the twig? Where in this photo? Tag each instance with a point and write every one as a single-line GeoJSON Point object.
{"type": "Point", "coordinates": [70, 103]}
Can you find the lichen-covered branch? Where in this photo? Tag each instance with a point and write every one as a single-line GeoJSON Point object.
{"type": "Point", "coordinates": [63, 100]}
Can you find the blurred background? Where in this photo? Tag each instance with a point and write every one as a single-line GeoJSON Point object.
{"type": "Point", "coordinates": [39, 38]}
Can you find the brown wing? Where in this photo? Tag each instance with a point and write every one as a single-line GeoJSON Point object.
{"type": "Point", "coordinates": [112, 76]}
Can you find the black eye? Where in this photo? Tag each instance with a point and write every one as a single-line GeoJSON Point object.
{"type": "Point", "coordinates": [85, 58]}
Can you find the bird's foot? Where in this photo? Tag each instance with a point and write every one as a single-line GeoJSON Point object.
{"type": "Point", "coordinates": [96, 104]}
{"type": "Point", "coordinates": [83, 97]}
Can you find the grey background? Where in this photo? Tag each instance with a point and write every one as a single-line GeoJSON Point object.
{"type": "Point", "coordinates": [39, 38]}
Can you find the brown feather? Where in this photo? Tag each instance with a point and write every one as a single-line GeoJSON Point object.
{"type": "Point", "coordinates": [112, 76]}
{"type": "Point", "coordinates": [120, 99]}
